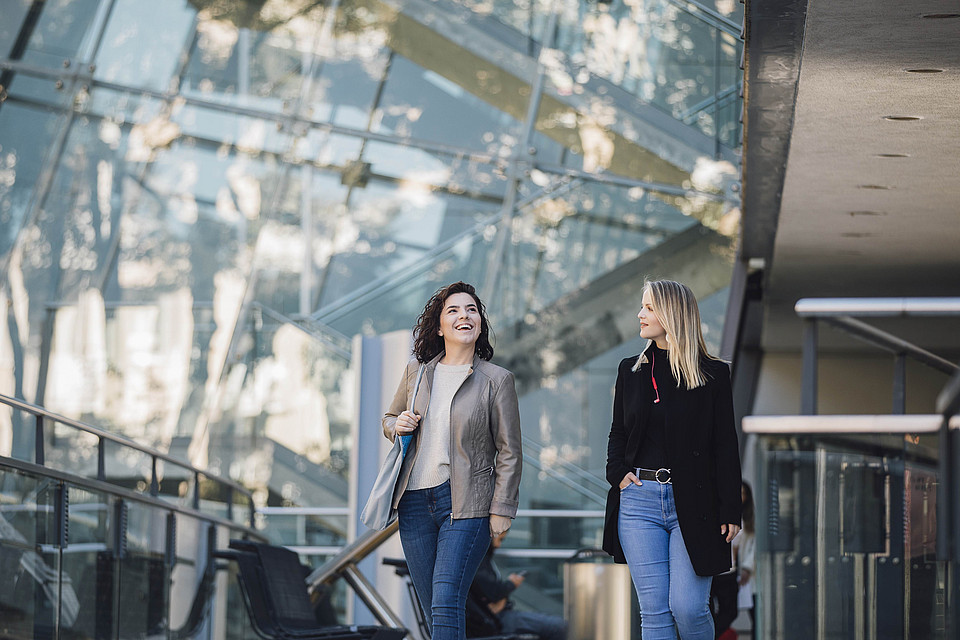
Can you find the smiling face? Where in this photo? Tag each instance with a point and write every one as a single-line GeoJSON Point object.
{"type": "Point", "coordinates": [650, 327]}
{"type": "Point", "coordinates": [460, 321]}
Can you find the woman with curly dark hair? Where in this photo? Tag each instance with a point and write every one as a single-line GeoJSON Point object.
{"type": "Point", "coordinates": [459, 484]}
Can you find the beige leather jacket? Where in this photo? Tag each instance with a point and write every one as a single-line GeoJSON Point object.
{"type": "Point", "coordinates": [485, 454]}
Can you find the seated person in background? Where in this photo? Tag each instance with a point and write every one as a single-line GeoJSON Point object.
{"type": "Point", "coordinates": [493, 592]}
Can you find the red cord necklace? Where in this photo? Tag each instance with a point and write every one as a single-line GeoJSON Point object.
{"type": "Point", "coordinates": [653, 361]}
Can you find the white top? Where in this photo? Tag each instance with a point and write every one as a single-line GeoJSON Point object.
{"type": "Point", "coordinates": [744, 546]}
{"type": "Point", "coordinates": [433, 458]}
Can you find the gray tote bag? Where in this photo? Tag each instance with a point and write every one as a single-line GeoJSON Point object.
{"type": "Point", "coordinates": [379, 512]}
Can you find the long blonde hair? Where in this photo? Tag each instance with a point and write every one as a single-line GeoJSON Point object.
{"type": "Point", "coordinates": [676, 307]}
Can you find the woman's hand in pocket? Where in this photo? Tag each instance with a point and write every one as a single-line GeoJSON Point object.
{"type": "Point", "coordinates": [630, 478]}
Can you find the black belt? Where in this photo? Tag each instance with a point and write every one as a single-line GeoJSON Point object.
{"type": "Point", "coordinates": [661, 475]}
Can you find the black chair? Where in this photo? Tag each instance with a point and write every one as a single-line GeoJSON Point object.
{"type": "Point", "coordinates": [275, 594]}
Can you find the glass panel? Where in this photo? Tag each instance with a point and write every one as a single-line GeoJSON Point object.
{"type": "Point", "coordinates": [420, 103]}
{"type": "Point", "coordinates": [14, 12]}
{"type": "Point", "coordinates": [327, 150]}
{"type": "Point", "coordinates": [18, 434]}
{"type": "Point", "coordinates": [126, 467]}
{"type": "Point", "coordinates": [218, 132]}
{"type": "Point", "coordinates": [26, 135]}
{"type": "Point", "coordinates": [846, 536]}
{"type": "Point", "coordinates": [242, 509]}
{"type": "Point", "coordinates": [560, 243]}
{"type": "Point", "coordinates": [214, 497]}
{"type": "Point", "coordinates": [301, 528]}
{"type": "Point", "coordinates": [88, 561]}
{"type": "Point", "coordinates": [58, 32]}
{"type": "Point", "coordinates": [175, 483]}
{"type": "Point", "coordinates": [414, 167]}
{"type": "Point", "coordinates": [143, 573]}
{"type": "Point", "coordinates": [666, 53]}
{"type": "Point", "coordinates": [192, 583]}
{"type": "Point", "coordinates": [70, 450]}
{"type": "Point", "coordinates": [412, 280]}
{"type": "Point", "coordinates": [155, 34]}
{"type": "Point", "coordinates": [30, 591]}
{"type": "Point", "coordinates": [132, 370]}
{"type": "Point", "coordinates": [345, 88]}
{"type": "Point", "coordinates": [255, 59]}
{"type": "Point", "coordinates": [289, 408]}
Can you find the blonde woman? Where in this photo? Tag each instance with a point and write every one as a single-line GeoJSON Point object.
{"type": "Point", "coordinates": [674, 467]}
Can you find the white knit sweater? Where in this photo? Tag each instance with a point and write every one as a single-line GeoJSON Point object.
{"type": "Point", "coordinates": [433, 459]}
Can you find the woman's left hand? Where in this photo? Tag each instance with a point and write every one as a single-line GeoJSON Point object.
{"type": "Point", "coordinates": [730, 531]}
{"type": "Point", "coordinates": [499, 525]}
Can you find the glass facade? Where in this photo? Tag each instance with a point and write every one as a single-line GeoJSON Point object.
{"type": "Point", "coordinates": [203, 201]}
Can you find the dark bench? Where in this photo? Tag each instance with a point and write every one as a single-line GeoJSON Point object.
{"type": "Point", "coordinates": [275, 594]}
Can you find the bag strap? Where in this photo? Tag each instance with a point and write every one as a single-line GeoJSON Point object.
{"type": "Point", "coordinates": [405, 440]}
{"type": "Point", "coordinates": [416, 386]}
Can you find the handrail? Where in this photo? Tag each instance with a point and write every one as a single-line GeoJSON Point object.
{"type": "Point", "coordinates": [877, 307]}
{"type": "Point", "coordinates": [353, 553]}
{"type": "Point", "coordinates": [103, 436]}
{"type": "Point", "coordinates": [840, 312]}
{"type": "Point", "coordinates": [888, 341]}
{"type": "Point", "coordinates": [836, 424]}
{"type": "Point", "coordinates": [120, 492]}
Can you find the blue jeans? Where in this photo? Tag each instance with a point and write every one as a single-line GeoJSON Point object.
{"type": "Point", "coordinates": [672, 596]}
{"type": "Point", "coordinates": [540, 624]}
{"type": "Point", "coordinates": [443, 555]}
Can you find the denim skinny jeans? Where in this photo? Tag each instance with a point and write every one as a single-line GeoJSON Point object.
{"type": "Point", "coordinates": [672, 596]}
{"type": "Point", "coordinates": [443, 555]}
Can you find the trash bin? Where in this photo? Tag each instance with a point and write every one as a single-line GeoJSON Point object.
{"type": "Point", "coordinates": [597, 597]}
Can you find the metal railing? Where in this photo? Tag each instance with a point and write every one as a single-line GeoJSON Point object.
{"type": "Point", "coordinates": [41, 415]}
{"type": "Point", "coordinates": [344, 565]}
{"type": "Point", "coordinates": [843, 312]}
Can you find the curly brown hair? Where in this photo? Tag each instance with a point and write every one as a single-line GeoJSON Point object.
{"type": "Point", "coordinates": [427, 342]}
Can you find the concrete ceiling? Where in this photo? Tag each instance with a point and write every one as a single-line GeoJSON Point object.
{"type": "Point", "coordinates": [840, 200]}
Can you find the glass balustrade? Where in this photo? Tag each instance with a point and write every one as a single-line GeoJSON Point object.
{"type": "Point", "coordinates": [846, 538]}
{"type": "Point", "coordinates": [84, 562]}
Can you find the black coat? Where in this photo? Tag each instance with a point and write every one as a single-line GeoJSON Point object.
{"type": "Point", "coordinates": [701, 439]}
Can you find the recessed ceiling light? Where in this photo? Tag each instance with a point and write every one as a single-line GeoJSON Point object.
{"type": "Point", "coordinates": [924, 70]}
{"type": "Point", "coordinates": [891, 155]}
{"type": "Point", "coordinates": [868, 213]}
{"type": "Point", "coordinates": [939, 16]}
{"type": "Point", "coordinates": [873, 186]}
{"type": "Point", "coordinates": [903, 118]}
